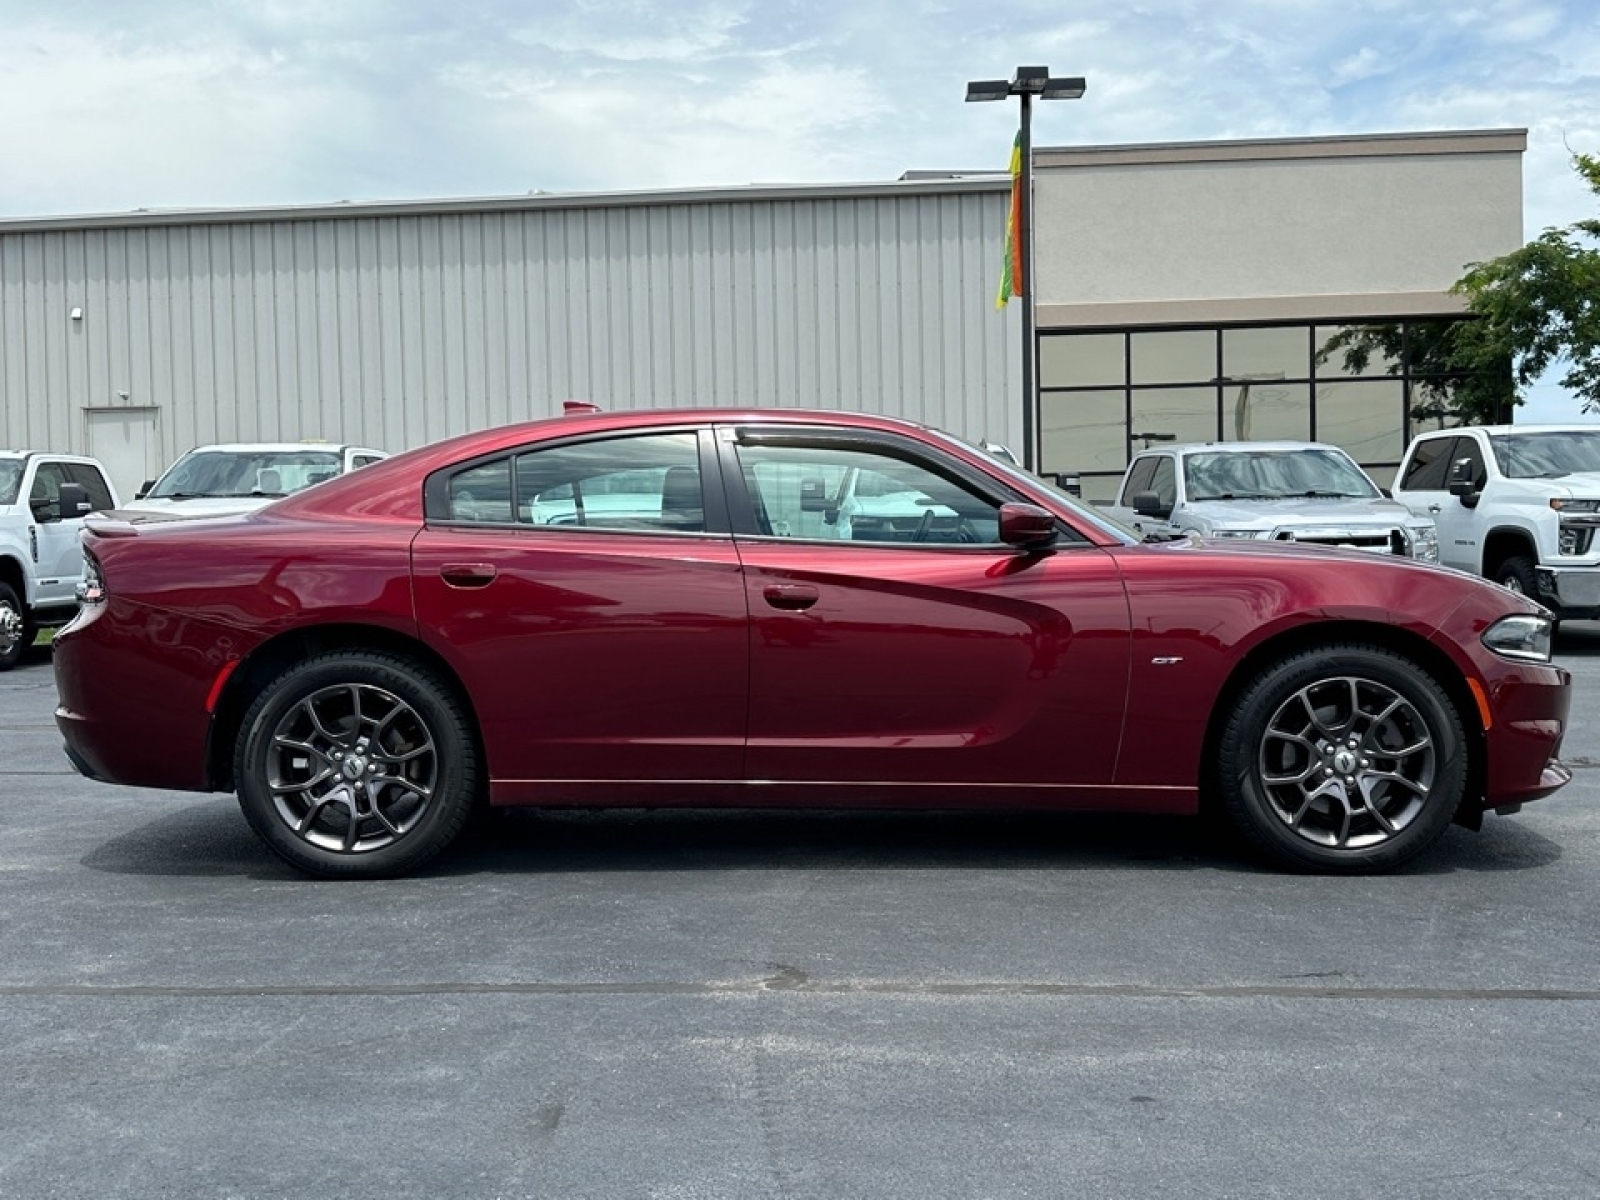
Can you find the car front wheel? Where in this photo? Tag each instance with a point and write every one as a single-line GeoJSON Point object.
{"type": "Point", "coordinates": [1344, 759]}
{"type": "Point", "coordinates": [357, 765]}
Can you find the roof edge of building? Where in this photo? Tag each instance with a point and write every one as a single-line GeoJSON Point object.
{"type": "Point", "coordinates": [1359, 145]}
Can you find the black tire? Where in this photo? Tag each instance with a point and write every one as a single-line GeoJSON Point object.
{"type": "Point", "coordinates": [17, 631]}
{"type": "Point", "coordinates": [1516, 574]}
{"type": "Point", "coordinates": [357, 765]}
{"type": "Point", "coordinates": [1346, 759]}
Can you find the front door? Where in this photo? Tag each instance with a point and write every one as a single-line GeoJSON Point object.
{"type": "Point", "coordinates": [895, 640]}
{"type": "Point", "coordinates": [58, 555]}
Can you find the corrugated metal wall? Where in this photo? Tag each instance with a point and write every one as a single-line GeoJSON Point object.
{"type": "Point", "coordinates": [398, 330]}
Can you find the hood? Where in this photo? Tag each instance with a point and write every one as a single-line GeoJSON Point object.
{"type": "Point", "coordinates": [1299, 512]}
{"type": "Point", "coordinates": [199, 506]}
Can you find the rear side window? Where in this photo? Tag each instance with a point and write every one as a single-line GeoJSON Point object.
{"type": "Point", "coordinates": [647, 483]}
{"type": "Point", "coordinates": [1429, 467]}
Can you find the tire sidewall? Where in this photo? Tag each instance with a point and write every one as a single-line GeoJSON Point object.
{"type": "Point", "coordinates": [454, 793]}
{"type": "Point", "coordinates": [1244, 796]}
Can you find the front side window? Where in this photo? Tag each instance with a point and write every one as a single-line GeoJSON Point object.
{"type": "Point", "coordinates": [849, 494]}
{"type": "Point", "coordinates": [645, 483]}
{"type": "Point", "coordinates": [1139, 476]}
{"type": "Point", "coordinates": [1430, 462]}
{"type": "Point", "coordinates": [47, 481]}
{"type": "Point", "coordinates": [93, 482]}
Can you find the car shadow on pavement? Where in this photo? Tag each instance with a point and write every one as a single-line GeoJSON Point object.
{"type": "Point", "coordinates": [211, 839]}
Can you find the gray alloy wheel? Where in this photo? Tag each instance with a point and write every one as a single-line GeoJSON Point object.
{"type": "Point", "coordinates": [16, 631]}
{"type": "Point", "coordinates": [1346, 759]}
{"type": "Point", "coordinates": [356, 765]}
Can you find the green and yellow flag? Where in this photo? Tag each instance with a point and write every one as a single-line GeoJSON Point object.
{"type": "Point", "coordinates": [1011, 281]}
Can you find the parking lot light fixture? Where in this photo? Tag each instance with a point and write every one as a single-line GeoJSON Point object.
{"type": "Point", "coordinates": [1025, 84]}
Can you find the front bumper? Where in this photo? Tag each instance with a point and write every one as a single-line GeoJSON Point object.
{"type": "Point", "coordinates": [1570, 591]}
{"type": "Point", "coordinates": [1523, 742]}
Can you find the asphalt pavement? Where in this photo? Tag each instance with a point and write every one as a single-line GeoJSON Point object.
{"type": "Point", "coordinates": [703, 1005]}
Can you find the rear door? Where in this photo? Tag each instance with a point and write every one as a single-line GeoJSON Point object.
{"type": "Point", "coordinates": [896, 641]}
{"type": "Point", "coordinates": [589, 594]}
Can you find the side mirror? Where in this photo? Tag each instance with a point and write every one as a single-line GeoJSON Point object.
{"type": "Point", "coordinates": [45, 511]}
{"type": "Point", "coordinates": [1462, 484]}
{"type": "Point", "coordinates": [1026, 525]}
{"type": "Point", "coordinates": [1148, 504]}
{"type": "Point", "coordinates": [74, 502]}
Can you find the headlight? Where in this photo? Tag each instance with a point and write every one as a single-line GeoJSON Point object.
{"type": "Point", "coordinates": [1424, 543]}
{"type": "Point", "coordinates": [1239, 533]}
{"type": "Point", "coordinates": [1524, 637]}
{"type": "Point", "coordinates": [1561, 504]}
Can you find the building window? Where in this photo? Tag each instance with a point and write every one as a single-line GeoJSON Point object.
{"type": "Point", "coordinates": [1108, 394]}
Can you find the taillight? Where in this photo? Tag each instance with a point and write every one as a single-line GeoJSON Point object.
{"type": "Point", "coordinates": [91, 588]}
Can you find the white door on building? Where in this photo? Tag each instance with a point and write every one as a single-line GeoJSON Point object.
{"type": "Point", "coordinates": [126, 440]}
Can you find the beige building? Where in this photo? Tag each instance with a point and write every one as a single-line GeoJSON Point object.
{"type": "Point", "coordinates": [1188, 291]}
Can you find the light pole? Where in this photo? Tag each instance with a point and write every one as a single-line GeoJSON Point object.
{"type": "Point", "coordinates": [1027, 83]}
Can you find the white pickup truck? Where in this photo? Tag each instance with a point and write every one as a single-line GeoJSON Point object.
{"type": "Point", "coordinates": [43, 500]}
{"type": "Point", "coordinates": [1304, 492]}
{"type": "Point", "coordinates": [1518, 504]}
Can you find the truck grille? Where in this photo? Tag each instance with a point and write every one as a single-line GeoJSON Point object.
{"type": "Point", "coordinates": [1377, 541]}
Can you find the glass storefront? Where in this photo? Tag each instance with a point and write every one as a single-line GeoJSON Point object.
{"type": "Point", "coordinates": [1107, 394]}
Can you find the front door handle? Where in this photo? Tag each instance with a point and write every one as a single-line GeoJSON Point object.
{"type": "Point", "coordinates": [1433, 508]}
{"type": "Point", "coordinates": [467, 575]}
{"type": "Point", "coordinates": [791, 597]}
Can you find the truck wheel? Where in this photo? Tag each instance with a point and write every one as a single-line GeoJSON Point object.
{"type": "Point", "coordinates": [1343, 759]}
{"type": "Point", "coordinates": [1515, 574]}
{"type": "Point", "coordinates": [16, 630]}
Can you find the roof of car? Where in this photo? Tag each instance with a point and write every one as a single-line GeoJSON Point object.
{"type": "Point", "coordinates": [1575, 427]}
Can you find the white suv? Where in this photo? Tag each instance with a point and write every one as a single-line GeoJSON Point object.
{"type": "Point", "coordinates": [214, 481]}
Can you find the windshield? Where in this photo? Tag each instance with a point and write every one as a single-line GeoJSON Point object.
{"type": "Point", "coordinates": [1546, 455]}
{"type": "Point", "coordinates": [10, 480]}
{"type": "Point", "coordinates": [245, 473]}
{"type": "Point", "coordinates": [1274, 475]}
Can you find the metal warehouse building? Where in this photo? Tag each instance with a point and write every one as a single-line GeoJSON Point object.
{"type": "Point", "coordinates": [1183, 291]}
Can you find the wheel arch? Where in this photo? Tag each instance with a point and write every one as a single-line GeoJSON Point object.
{"type": "Point", "coordinates": [12, 572]}
{"type": "Point", "coordinates": [278, 654]}
{"type": "Point", "coordinates": [1401, 641]}
{"type": "Point", "coordinates": [1503, 542]}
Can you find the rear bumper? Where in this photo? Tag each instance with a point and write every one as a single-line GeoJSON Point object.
{"type": "Point", "coordinates": [133, 683]}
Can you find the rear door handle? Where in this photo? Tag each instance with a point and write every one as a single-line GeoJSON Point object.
{"type": "Point", "coordinates": [467, 575]}
{"type": "Point", "coordinates": [792, 597]}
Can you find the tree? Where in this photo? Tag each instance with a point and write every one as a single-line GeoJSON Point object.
{"type": "Point", "coordinates": [1529, 310]}
{"type": "Point", "coordinates": [1540, 305]}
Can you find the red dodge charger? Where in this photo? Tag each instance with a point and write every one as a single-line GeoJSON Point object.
{"type": "Point", "coordinates": [724, 607]}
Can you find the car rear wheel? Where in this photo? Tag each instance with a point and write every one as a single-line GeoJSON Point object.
{"type": "Point", "coordinates": [357, 765]}
{"type": "Point", "coordinates": [1344, 759]}
{"type": "Point", "coordinates": [16, 631]}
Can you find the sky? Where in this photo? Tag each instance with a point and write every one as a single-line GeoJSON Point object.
{"type": "Point", "coordinates": [111, 105]}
